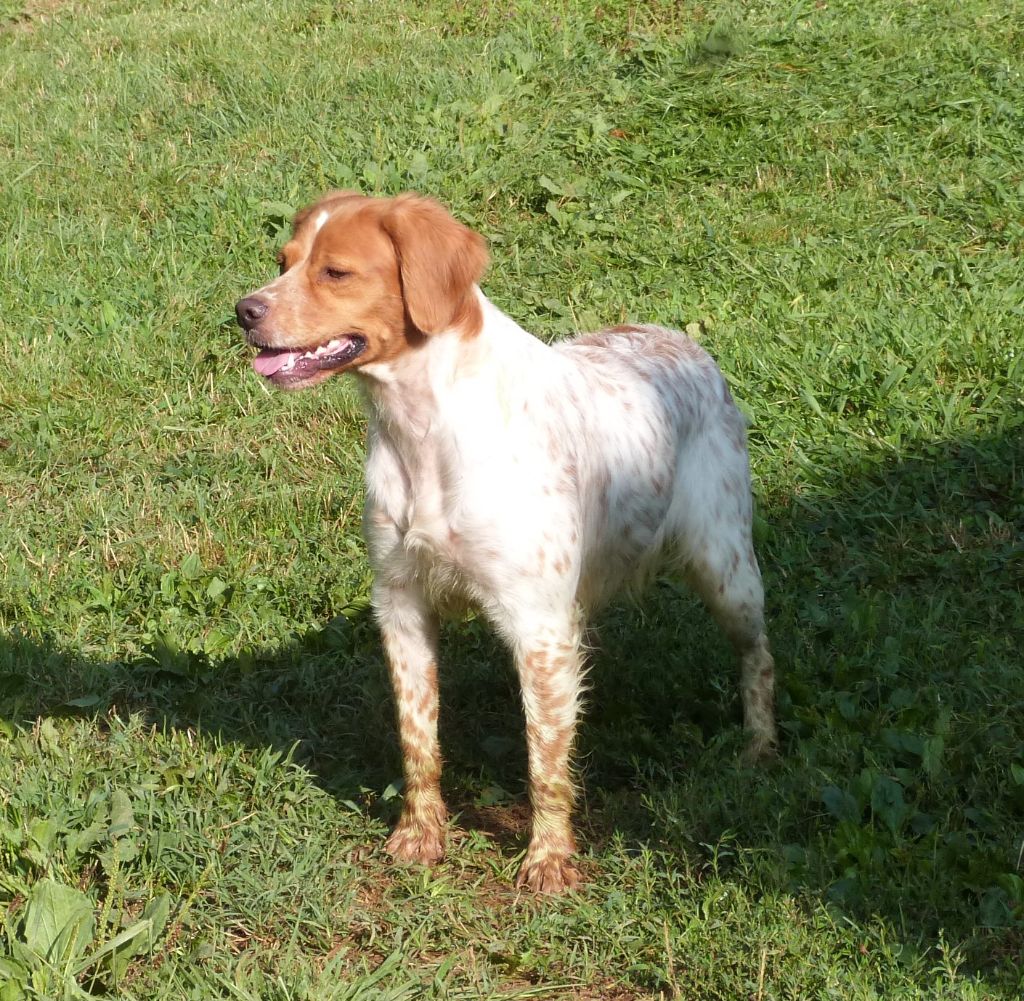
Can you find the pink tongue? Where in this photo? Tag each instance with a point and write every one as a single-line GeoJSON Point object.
{"type": "Point", "coordinates": [269, 360]}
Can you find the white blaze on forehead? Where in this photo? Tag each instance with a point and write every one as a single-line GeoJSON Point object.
{"type": "Point", "coordinates": [270, 290]}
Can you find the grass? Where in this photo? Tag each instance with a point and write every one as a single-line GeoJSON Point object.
{"type": "Point", "coordinates": [197, 757]}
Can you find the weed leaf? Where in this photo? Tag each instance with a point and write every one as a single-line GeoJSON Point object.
{"type": "Point", "coordinates": [887, 802]}
{"type": "Point", "coordinates": [59, 922]}
{"type": "Point", "coordinates": [840, 803]}
{"type": "Point", "coordinates": [122, 818]}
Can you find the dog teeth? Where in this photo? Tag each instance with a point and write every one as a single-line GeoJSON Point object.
{"type": "Point", "coordinates": [329, 348]}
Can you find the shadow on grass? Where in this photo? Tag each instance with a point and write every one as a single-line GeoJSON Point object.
{"type": "Point", "coordinates": [895, 594]}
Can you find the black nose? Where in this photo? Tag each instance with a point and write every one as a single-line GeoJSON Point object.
{"type": "Point", "coordinates": [250, 311]}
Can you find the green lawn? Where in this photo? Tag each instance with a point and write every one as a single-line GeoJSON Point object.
{"type": "Point", "coordinates": [197, 754]}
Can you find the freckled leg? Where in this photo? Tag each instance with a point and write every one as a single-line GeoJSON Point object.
{"type": "Point", "coordinates": [730, 584]}
{"type": "Point", "coordinates": [549, 670]}
{"type": "Point", "coordinates": [711, 522]}
{"type": "Point", "coordinates": [409, 630]}
{"type": "Point", "coordinates": [757, 683]}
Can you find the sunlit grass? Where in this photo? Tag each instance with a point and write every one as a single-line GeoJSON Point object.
{"type": "Point", "coordinates": [194, 715]}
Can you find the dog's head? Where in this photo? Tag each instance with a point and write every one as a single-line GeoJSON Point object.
{"type": "Point", "coordinates": [363, 280]}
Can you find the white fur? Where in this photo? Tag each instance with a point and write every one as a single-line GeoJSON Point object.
{"type": "Point", "coordinates": [472, 443]}
{"type": "Point", "coordinates": [534, 482]}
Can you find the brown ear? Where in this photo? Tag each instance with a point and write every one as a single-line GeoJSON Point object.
{"type": "Point", "coordinates": [439, 260]}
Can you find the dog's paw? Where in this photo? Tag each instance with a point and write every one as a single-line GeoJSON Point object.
{"type": "Point", "coordinates": [416, 843]}
{"type": "Point", "coordinates": [547, 874]}
{"type": "Point", "coordinates": [760, 750]}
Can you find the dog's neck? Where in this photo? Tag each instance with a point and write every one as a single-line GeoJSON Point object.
{"type": "Point", "coordinates": [406, 395]}
{"type": "Point", "coordinates": [449, 402]}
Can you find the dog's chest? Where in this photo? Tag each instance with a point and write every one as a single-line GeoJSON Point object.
{"type": "Point", "coordinates": [421, 492]}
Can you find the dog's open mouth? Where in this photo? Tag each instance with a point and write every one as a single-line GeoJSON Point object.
{"type": "Point", "coordinates": [285, 365]}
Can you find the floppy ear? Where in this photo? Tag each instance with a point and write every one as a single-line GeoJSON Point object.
{"type": "Point", "coordinates": [439, 261]}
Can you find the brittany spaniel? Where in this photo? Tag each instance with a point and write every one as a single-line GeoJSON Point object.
{"type": "Point", "coordinates": [530, 481]}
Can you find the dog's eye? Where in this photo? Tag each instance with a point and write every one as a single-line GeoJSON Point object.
{"type": "Point", "coordinates": [336, 274]}
{"type": "Point", "coordinates": [281, 266]}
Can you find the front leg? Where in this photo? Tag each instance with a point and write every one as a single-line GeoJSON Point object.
{"type": "Point", "coordinates": [549, 665]}
{"type": "Point", "coordinates": [409, 629]}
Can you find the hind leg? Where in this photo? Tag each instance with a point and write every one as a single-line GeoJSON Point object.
{"type": "Point", "coordinates": [726, 576]}
{"type": "Point", "coordinates": [710, 523]}
{"type": "Point", "coordinates": [757, 684]}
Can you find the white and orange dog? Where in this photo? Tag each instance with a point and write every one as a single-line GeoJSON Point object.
{"type": "Point", "coordinates": [531, 481]}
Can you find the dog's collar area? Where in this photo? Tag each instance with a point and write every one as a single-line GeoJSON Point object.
{"type": "Point", "coordinates": [287, 364]}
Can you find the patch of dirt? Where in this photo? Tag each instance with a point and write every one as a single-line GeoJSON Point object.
{"type": "Point", "coordinates": [32, 14]}
{"type": "Point", "coordinates": [507, 825]}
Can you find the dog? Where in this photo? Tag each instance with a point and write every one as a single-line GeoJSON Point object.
{"type": "Point", "coordinates": [530, 481]}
